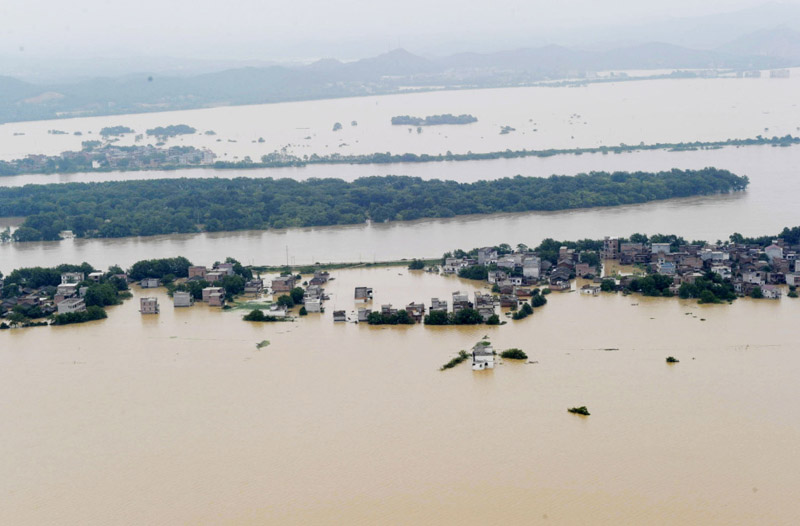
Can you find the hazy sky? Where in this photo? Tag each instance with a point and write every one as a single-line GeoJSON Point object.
{"type": "Point", "coordinates": [273, 30]}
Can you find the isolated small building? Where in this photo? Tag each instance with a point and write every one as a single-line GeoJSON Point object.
{"type": "Point", "coordinates": [148, 305]}
{"type": "Point", "coordinates": [363, 314]}
{"type": "Point", "coordinates": [482, 356]}
{"type": "Point", "coordinates": [95, 276]}
{"type": "Point", "coordinates": [363, 294]}
{"type": "Point", "coordinates": [182, 299]}
{"type": "Point", "coordinates": [216, 299]}
{"type": "Point", "coordinates": [339, 315]}
{"type": "Point", "coordinates": [313, 305]}
{"type": "Point", "coordinates": [590, 290]}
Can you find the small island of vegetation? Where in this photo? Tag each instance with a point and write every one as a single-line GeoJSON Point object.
{"type": "Point", "coordinates": [433, 120]}
{"type": "Point", "coordinates": [258, 315]}
{"type": "Point", "coordinates": [462, 357]}
{"type": "Point", "coordinates": [514, 354]}
{"type": "Point", "coordinates": [579, 410]}
{"type": "Point", "coordinates": [466, 316]}
{"type": "Point", "coordinates": [400, 317]}
{"type": "Point", "coordinates": [114, 131]}
{"type": "Point", "coordinates": [166, 206]}
{"type": "Point", "coordinates": [171, 131]}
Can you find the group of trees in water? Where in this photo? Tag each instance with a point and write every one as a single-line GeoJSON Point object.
{"type": "Point", "coordinates": [172, 130]}
{"type": "Point", "coordinates": [114, 131]}
{"type": "Point", "coordinates": [144, 208]}
{"type": "Point", "coordinates": [465, 316]}
{"type": "Point", "coordinates": [433, 120]}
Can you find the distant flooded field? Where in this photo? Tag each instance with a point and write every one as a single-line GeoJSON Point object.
{"type": "Point", "coordinates": [542, 117]}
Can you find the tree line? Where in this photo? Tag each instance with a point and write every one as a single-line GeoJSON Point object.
{"type": "Point", "coordinates": [166, 206]}
{"type": "Point", "coordinates": [68, 162]}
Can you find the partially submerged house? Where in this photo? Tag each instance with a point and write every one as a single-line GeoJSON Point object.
{"type": "Point", "coordinates": [182, 299]}
{"type": "Point", "coordinates": [363, 294]}
{"type": "Point", "coordinates": [482, 356]}
{"type": "Point", "coordinates": [148, 305]}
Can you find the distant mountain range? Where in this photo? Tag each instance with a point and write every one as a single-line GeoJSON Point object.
{"type": "Point", "coordinates": [387, 73]}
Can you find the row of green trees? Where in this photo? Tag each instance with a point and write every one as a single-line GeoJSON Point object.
{"type": "Point", "coordinates": [90, 314]}
{"type": "Point", "coordinates": [143, 208]}
{"type": "Point", "coordinates": [462, 317]}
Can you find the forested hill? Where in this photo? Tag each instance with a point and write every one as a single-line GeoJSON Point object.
{"type": "Point", "coordinates": [144, 208]}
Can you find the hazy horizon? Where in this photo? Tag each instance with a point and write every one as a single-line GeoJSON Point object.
{"type": "Point", "coordinates": [246, 30]}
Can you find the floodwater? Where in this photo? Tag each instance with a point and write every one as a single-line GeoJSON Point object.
{"type": "Point", "coordinates": [599, 114]}
{"type": "Point", "coordinates": [179, 419]}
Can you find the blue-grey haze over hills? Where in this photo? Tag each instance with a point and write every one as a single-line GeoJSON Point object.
{"type": "Point", "coordinates": [33, 88]}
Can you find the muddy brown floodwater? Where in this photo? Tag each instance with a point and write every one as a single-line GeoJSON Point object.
{"type": "Point", "coordinates": [179, 419]}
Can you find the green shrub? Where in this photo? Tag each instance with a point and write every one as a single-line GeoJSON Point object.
{"type": "Point", "coordinates": [462, 356]}
{"type": "Point", "coordinates": [514, 354]}
{"type": "Point", "coordinates": [416, 264]}
{"type": "Point", "coordinates": [579, 410]}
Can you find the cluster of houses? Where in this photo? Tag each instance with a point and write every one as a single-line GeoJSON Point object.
{"type": "Point", "coordinates": [314, 294]}
{"type": "Point", "coordinates": [485, 304]}
{"type": "Point", "coordinates": [67, 297]}
{"type": "Point", "coordinates": [747, 266]}
{"type": "Point", "coordinates": [120, 158]}
{"type": "Point", "coordinates": [513, 275]}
